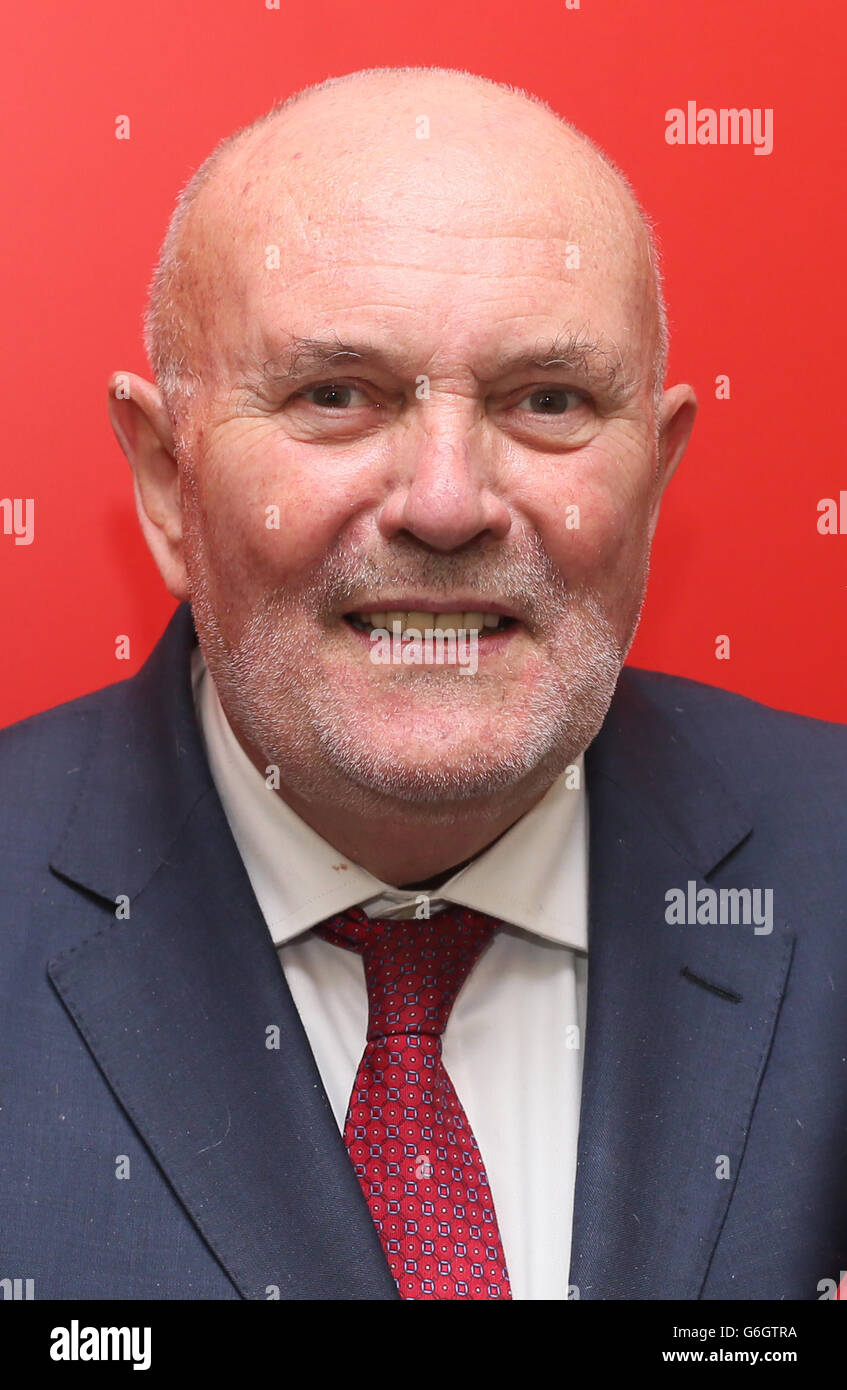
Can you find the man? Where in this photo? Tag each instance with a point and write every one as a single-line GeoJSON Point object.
{"type": "Point", "coordinates": [297, 943]}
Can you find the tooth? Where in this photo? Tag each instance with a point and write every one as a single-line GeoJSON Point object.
{"type": "Point", "coordinates": [421, 621]}
{"type": "Point", "coordinates": [491, 619]}
{"type": "Point", "coordinates": [447, 621]}
{"type": "Point", "coordinates": [473, 620]}
{"type": "Point", "coordinates": [392, 618]}
{"type": "Point", "coordinates": [377, 620]}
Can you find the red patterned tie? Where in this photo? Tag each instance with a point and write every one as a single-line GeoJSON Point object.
{"type": "Point", "coordinates": [406, 1132]}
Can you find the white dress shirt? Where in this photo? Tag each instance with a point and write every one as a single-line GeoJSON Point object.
{"type": "Point", "coordinates": [513, 1044]}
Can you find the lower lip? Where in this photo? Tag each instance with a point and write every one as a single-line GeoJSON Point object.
{"type": "Point", "coordinates": [487, 645]}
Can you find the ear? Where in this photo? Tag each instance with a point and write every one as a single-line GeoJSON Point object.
{"type": "Point", "coordinates": [678, 412]}
{"type": "Point", "coordinates": [143, 429]}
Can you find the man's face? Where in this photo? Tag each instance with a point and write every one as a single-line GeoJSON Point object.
{"type": "Point", "coordinates": [432, 474]}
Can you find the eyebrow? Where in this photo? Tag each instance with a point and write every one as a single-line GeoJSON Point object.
{"type": "Point", "coordinates": [588, 360]}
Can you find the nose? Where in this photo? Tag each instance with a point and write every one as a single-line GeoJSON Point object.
{"type": "Point", "coordinates": [444, 499]}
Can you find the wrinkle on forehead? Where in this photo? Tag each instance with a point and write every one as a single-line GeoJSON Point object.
{"type": "Point", "coordinates": [343, 174]}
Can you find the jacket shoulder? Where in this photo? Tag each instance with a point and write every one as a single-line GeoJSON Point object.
{"type": "Point", "coordinates": [59, 726]}
{"type": "Point", "coordinates": [698, 697]}
{"type": "Point", "coordinates": [42, 759]}
{"type": "Point", "coordinates": [751, 740]}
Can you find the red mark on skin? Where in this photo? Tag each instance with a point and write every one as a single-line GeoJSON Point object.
{"type": "Point", "coordinates": [340, 866]}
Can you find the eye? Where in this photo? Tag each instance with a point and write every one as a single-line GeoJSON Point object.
{"type": "Point", "coordinates": [333, 395]}
{"type": "Point", "coordinates": [553, 400]}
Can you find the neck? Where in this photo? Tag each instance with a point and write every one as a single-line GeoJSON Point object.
{"type": "Point", "coordinates": [409, 843]}
{"type": "Point", "coordinates": [404, 847]}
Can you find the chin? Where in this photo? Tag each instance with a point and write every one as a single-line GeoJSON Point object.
{"type": "Point", "coordinates": [441, 772]}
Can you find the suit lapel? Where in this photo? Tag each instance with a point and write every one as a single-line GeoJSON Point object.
{"type": "Point", "coordinates": [185, 1008]}
{"type": "Point", "coordinates": [679, 1020]}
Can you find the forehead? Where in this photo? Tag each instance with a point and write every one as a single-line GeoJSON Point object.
{"type": "Point", "coordinates": [328, 225]}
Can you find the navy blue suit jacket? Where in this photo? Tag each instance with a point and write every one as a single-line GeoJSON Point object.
{"type": "Point", "coordinates": [713, 1134]}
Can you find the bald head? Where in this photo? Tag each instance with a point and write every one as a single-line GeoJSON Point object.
{"type": "Point", "coordinates": [345, 158]}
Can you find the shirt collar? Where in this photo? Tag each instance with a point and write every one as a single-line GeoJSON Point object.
{"type": "Point", "coordinates": [534, 876]}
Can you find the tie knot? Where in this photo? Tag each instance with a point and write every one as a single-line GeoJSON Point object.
{"type": "Point", "coordinates": [413, 969]}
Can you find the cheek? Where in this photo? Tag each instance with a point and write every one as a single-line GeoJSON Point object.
{"type": "Point", "coordinates": [594, 522]}
{"type": "Point", "coordinates": [268, 513]}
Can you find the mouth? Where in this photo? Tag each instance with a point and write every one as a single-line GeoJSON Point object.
{"type": "Point", "coordinates": [483, 624]}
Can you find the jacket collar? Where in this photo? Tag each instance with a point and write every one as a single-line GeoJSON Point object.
{"type": "Point", "coordinates": [148, 741]}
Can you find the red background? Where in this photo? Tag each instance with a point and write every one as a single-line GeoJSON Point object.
{"type": "Point", "coordinates": [753, 248]}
